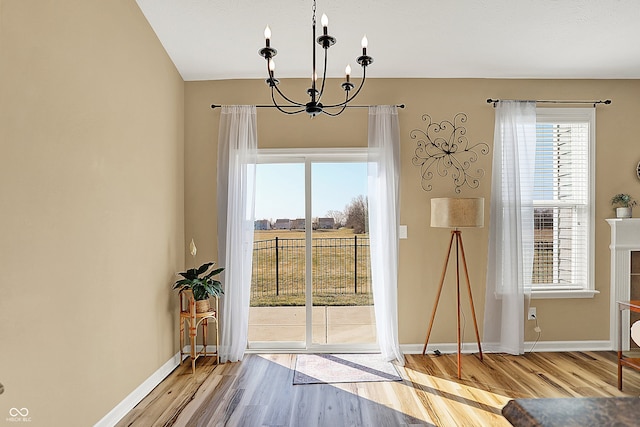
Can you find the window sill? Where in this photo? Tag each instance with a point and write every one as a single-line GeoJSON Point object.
{"type": "Point", "coordinates": [563, 293]}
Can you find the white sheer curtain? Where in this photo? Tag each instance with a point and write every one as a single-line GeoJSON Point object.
{"type": "Point", "coordinates": [384, 220]}
{"type": "Point", "coordinates": [510, 253]}
{"type": "Point", "coordinates": [237, 153]}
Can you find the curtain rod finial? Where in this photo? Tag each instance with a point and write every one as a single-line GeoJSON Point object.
{"type": "Point", "coordinates": [493, 101]}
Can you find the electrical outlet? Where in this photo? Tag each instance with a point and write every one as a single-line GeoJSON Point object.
{"type": "Point", "coordinates": [532, 314]}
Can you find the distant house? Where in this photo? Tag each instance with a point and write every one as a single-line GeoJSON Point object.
{"type": "Point", "coordinates": [283, 224]}
{"type": "Point", "coordinates": [326, 223]}
{"type": "Point", "coordinates": [262, 224]}
{"type": "Point", "coordinates": [298, 224]}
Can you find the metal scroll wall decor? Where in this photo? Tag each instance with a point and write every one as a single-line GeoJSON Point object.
{"type": "Point", "coordinates": [443, 148]}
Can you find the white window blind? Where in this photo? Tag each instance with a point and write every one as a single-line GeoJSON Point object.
{"type": "Point", "coordinates": [562, 200]}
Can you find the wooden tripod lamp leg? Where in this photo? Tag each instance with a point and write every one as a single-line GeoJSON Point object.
{"type": "Point", "coordinates": [473, 311]}
{"type": "Point", "coordinates": [435, 305]}
{"type": "Point", "coordinates": [458, 336]}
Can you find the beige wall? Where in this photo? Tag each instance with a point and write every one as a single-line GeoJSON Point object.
{"type": "Point", "coordinates": [91, 196]}
{"type": "Point", "coordinates": [422, 254]}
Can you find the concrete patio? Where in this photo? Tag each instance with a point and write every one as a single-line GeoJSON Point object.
{"type": "Point", "coordinates": [331, 324]}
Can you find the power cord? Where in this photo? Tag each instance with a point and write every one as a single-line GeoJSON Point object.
{"type": "Point", "coordinates": [538, 330]}
{"type": "Point", "coordinates": [464, 322]}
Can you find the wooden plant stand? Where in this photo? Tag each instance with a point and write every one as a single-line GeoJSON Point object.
{"type": "Point", "coordinates": [193, 320]}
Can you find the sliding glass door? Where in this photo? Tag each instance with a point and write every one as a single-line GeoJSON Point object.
{"type": "Point", "coordinates": [311, 285]}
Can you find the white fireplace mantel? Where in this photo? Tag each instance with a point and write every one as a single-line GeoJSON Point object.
{"type": "Point", "coordinates": [625, 238]}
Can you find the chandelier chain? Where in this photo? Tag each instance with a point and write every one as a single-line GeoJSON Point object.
{"type": "Point", "coordinates": [314, 13]}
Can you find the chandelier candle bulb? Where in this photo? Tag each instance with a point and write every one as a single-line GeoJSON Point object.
{"type": "Point", "coordinates": [347, 71]}
{"type": "Point", "coordinates": [325, 24]}
{"type": "Point", "coordinates": [365, 43]}
{"type": "Point", "coordinates": [267, 36]}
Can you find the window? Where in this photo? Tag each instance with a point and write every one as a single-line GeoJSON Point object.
{"type": "Point", "coordinates": [562, 198]}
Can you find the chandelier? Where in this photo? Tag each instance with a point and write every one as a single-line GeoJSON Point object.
{"type": "Point", "coordinates": [314, 107]}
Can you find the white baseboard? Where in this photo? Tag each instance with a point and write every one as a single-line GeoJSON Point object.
{"type": "Point", "coordinates": [129, 402]}
{"type": "Point", "coordinates": [568, 346]}
{"type": "Point", "coordinates": [529, 346]}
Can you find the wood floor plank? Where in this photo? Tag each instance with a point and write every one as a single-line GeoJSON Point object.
{"type": "Point", "coordinates": [169, 398]}
{"type": "Point", "coordinates": [259, 391]}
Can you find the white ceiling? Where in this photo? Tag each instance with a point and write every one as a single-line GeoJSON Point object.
{"type": "Point", "coordinates": [220, 39]}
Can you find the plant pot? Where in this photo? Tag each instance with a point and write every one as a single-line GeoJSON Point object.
{"type": "Point", "coordinates": [623, 212]}
{"type": "Point", "coordinates": [202, 306]}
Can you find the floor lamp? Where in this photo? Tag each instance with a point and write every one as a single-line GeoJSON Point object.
{"type": "Point", "coordinates": [456, 213]}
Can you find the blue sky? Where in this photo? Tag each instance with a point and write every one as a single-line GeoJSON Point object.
{"type": "Point", "coordinates": [280, 188]}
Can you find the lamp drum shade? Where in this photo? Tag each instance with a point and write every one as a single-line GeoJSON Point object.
{"type": "Point", "coordinates": [450, 212]}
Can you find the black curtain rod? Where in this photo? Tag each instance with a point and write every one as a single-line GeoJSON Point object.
{"type": "Point", "coordinates": [555, 101]}
{"type": "Point", "coordinates": [273, 106]}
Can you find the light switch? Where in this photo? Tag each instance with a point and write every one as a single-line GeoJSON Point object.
{"type": "Point", "coordinates": [402, 232]}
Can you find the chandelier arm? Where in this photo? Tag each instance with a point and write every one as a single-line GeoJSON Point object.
{"type": "Point", "coordinates": [273, 83]}
{"type": "Point", "coordinates": [275, 104]}
{"type": "Point", "coordinates": [324, 74]}
{"type": "Point", "coordinates": [297, 104]}
{"type": "Point", "coordinates": [351, 98]}
{"type": "Point", "coordinates": [336, 113]}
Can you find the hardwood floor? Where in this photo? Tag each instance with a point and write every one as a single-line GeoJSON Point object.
{"type": "Point", "coordinates": [258, 391]}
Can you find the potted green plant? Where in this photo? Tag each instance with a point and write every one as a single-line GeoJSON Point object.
{"type": "Point", "coordinates": [623, 204]}
{"type": "Point", "coordinates": [201, 281]}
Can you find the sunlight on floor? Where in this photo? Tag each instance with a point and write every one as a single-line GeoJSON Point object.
{"type": "Point", "coordinates": [452, 401]}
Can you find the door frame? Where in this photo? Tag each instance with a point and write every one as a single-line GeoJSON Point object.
{"type": "Point", "coordinates": [308, 156]}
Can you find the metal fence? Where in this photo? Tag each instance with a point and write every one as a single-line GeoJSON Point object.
{"type": "Point", "coordinates": [339, 266]}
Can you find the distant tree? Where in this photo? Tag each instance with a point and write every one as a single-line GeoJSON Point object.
{"type": "Point", "coordinates": [339, 218]}
{"type": "Point", "coordinates": [357, 215]}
